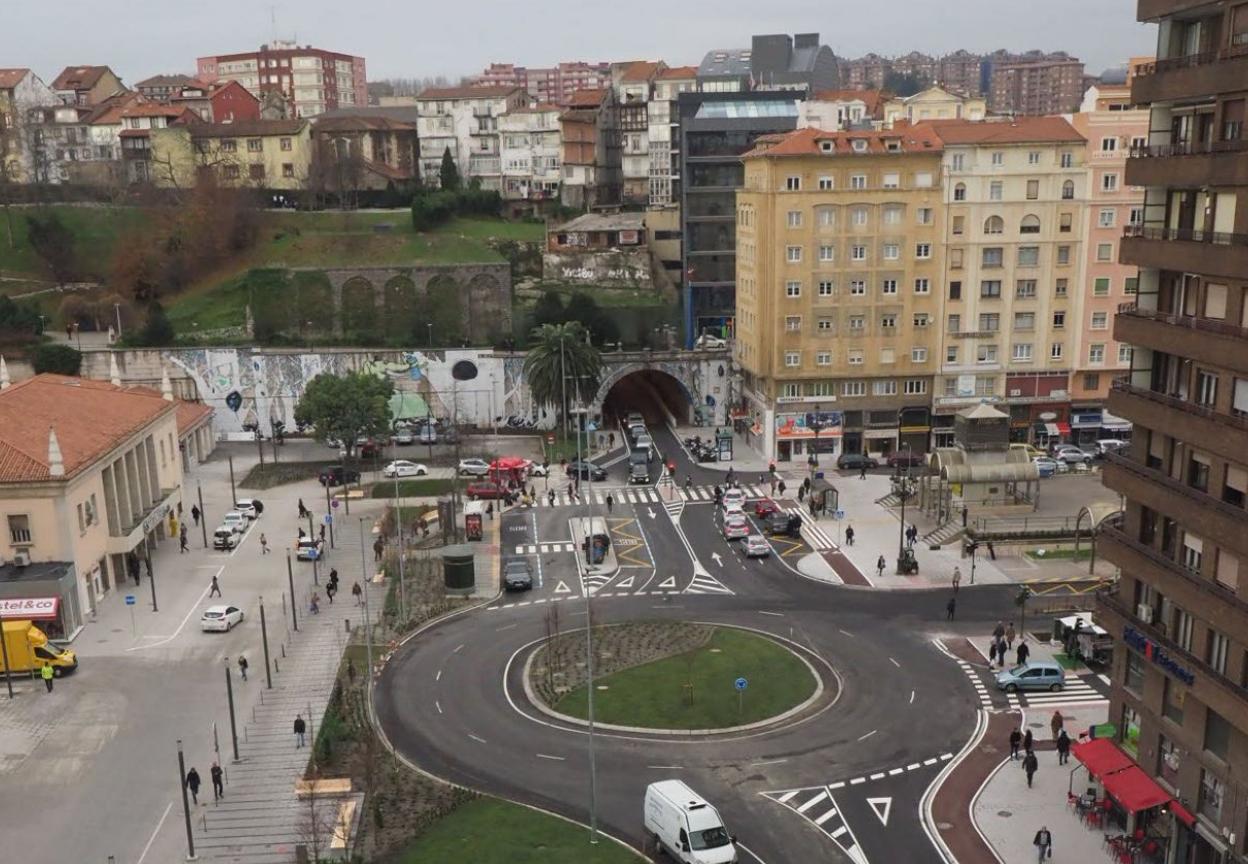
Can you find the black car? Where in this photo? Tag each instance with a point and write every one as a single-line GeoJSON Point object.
{"type": "Point", "coordinates": [517, 575]}
{"type": "Point", "coordinates": [784, 524]}
{"type": "Point", "coordinates": [586, 471]}
{"type": "Point", "coordinates": [855, 461]}
{"type": "Point", "coordinates": [638, 472]}
{"type": "Point", "coordinates": [339, 475]}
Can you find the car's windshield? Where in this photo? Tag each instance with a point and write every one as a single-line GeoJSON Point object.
{"type": "Point", "coordinates": [711, 838]}
{"type": "Point", "coordinates": [1019, 670]}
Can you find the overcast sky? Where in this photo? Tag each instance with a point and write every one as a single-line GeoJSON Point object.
{"type": "Point", "coordinates": [426, 37]}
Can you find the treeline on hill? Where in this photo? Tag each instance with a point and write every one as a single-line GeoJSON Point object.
{"type": "Point", "coordinates": [434, 207]}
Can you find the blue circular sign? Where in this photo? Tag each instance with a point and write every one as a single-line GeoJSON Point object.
{"type": "Point", "coordinates": [130, 600]}
{"type": "Point", "coordinates": [741, 683]}
{"type": "Point", "coordinates": [327, 519]}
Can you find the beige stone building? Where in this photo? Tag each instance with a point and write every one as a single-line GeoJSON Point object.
{"type": "Point", "coordinates": [934, 103]}
{"type": "Point", "coordinates": [839, 264]}
{"type": "Point", "coordinates": [1015, 199]}
{"type": "Point", "coordinates": [90, 472]}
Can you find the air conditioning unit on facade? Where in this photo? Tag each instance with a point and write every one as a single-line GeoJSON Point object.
{"type": "Point", "coordinates": [1144, 612]}
{"type": "Point", "coordinates": [21, 559]}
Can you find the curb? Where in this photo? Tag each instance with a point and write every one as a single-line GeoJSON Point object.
{"type": "Point", "coordinates": [929, 794]}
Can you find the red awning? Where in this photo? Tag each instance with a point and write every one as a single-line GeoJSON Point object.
{"type": "Point", "coordinates": [1100, 756]}
{"type": "Point", "coordinates": [1182, 814]}
{"type": "Point", "coordinates": [1063, 428]}
{"type": "Point", "coordinates": [1134, 790]}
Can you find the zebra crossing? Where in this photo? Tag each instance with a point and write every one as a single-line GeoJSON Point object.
{"type": "Point", "coordinates": [817, 805]}
{"type": "Point", "coordinates": [1076, 692]}
{"type": "Point", "coordinates": [642, 495]}
{"type": "Point", "coordinates": [812, 531]}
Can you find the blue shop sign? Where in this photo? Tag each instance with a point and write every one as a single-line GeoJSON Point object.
{"type": "Point", "coordinates": [1157, 654]}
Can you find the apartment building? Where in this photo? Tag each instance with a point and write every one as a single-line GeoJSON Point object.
{"type": "Point", "coordinates": [933, 103]}
{"type": "Point", "coordinates": [262, 154]}
{"type": "Point", "coordinates": [532, 155]}
{"type": "Point", "coordinates": [20, 91]}
{"type": "Point", "coordinates": [832, 110]}
{"type": "Point", "coordinates": [85, 86]}
{"type": "Point", "coordinates": [591, 173]}
{"type": "Point", "coordinates": [1034, 83]}
{"type": "Point", "coordinates": [1179, 612]}
{"type": "Point", "coordinates": [311, 80]}
{"type": "Point", "coordinates": [1015, 194]}
{"type": "Point", "coordinates": [137, 122]}
{"type": "Point", "coordinates": [633, 92]}
{"type": "Point", "coordinates": [364, 150]}
{"type": "Point", "coordinates": [161, 87]}
{"type": "Point", "coordinates": [549, 83]}
{"type": "Point", "coordinates": [663, 132]}
{"type": "Point", "coordinates": [839, 266]}
{"type": "Point", "coordinates": [1113, 128]}
{"type": "Point", "coordinates": [464, 120]}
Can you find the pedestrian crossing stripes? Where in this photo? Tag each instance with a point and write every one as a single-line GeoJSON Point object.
{"type": "Point", "coordinates": [705, 583]}
{"type": "Point", "coordinates": [674, 508]}
{"type": "Point", "coordinates": [1076, 692]}
{"type": "Point", "coordinates": [817, 805]}
{"type": "Point", "coordinates": [812, 531]}
{"type": "Point", "coordinates": [701, 493]}
{"type": "Point", "coordinates": [981, 689]}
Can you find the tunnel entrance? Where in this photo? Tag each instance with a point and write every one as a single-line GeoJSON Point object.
{"type": "Point", "coordinates": [655, 394]}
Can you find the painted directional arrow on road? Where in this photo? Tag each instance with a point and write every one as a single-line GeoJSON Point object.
{"type": "Point", "coordinates": [650, 510]}
{"type": "Point", "coordinates": [881, 807]}
{"type": "Point", "coordinates": [715, 557]}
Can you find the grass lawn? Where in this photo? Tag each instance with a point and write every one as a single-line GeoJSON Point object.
{"type": "Point", "coordinates": [268, 475]}
{"type": "Point", "coordinates": [489, 831]}
{"type": "Point", "coordinates": [421, 487]}
{"type": "Point", "coordinates": [96, 230]}
{"type": "Point", "coordinates": [654, 695]}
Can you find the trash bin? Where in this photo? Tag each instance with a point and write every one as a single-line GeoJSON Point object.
{"type": "Point", "coordinates": [458, 573]}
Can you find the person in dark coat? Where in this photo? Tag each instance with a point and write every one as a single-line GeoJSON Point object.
{"type": "Point", "coordinates": [1029, 742]}
{"type": "Point", "coordinates": [1030, 764]}
{"type": "Point", "coordinates": [301, 729]}
{"type": "Point", "coordinates": [849, 536]}
{"type": "Point", "coordinates": [1016, 740]}
{"type": "Point", "coordinates": [1024, 651]}
{"type": "Point", "coordinates": [1043, 842]}
{"type": "Point", "coordinates": [192, 785]}
{"type": "Point", "coordinates": [880, 564]}
{"type": "Point", "coordinates": [1063, 747]}
{"type": "Point", "coordinates": [951, 608]}
{"type": "Point", "coordinates": [218, 784]}
{"type": "Point", "coordinates": [195, 514]}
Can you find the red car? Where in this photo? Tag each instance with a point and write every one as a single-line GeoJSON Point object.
{"type": "Point", "coordinates": [764, 507]}
{"type": "Point", "coordinates": [485, 489]}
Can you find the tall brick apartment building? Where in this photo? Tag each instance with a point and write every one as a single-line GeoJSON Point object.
{"type": "Point", "coordinates": [312, 80]}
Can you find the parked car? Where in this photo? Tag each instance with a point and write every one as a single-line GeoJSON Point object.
{"type": "Point", "coordinates": [220, 618]}
{"type": "Point", "coordinates": [784, 524]}
{"type": "Point", "coordinates": [586, 471]}
{"type": "Point", "coordinates": [734, 499]}
{"type": "Point", "coordinates": [309, 549]}
{"type": "Point", "coordinates": [1045, 465]}
{"type": "Point", "coordinates": [855, 461]}
{"type": "Point", "coordinates": [473, 467]}
{"type": "Point", "coordinates": [404, 468]}
{"type": "Point", "coordinates": [756, 546]}
{"type": "Point", "coordinates": [403, 437]}
{"type": "Point", "coordinates": [339, 475]}
{"type": "Point", "coordinates": [234, 520]}
{"type": "Point", "coordinates": [537, 469]}
{"type": "Point", "coordinates": [764, 507]}
{"type": "Point", "coordinates": [1037, 675]}
{"type": "Point", "coordinates": [1032, 452]}
{"type": "Point", "coordinates": [480, 489]}
{"type": "Point", "coordinates": [736, 526]}
{"type": "Point", "coordinates": [905, 459]}
{"type": "Point", "coordinates": [1105, 446]}
{"type": "Point", "coordinates": [517, 575]}
{"type": "Point", "coordinates": [708, 342]}
{"type": "Point", "coordinates": [249, 507]}
{"type": "Point", "coordinates": [224, 538]}
{"type": "Point", "coordinates": [428, 434]}
{"type": "Point", "coordinates": [1071, 455]}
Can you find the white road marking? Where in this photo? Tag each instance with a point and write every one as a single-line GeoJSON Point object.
{"type": "Point", "coordinates": [438, 705]}
{"type": "Point", "coordinates": [476, 738]}
{"type": "Point", "coordinates": [846, 632]}
{"type": "Point", "coordinates": [823, 794]}
{"type": "Point", "coordinates": [770, 762]}
{"type": "Point", "coordinates": [552, 758]}
{"type": "Point", "coordinates": [837, 785]}
{"type": "Point", "coordinates": [868, 735]}
{"type": "Point", "coordinates": [895, 771]}
{"type": "Point", "coordinates": [877, 776]}
{"type": "Point", "coordinates": [825, 817]}
{"type": "Point", "coordinates": [438, 677]}
{"type": "Point", "coordinates": [894, 662]}
{"type": "Point", "coordinates": [913, 766]}
{"type": "Point", "coordinates": [788, 795]}
{"type": "Point", "coordinates": [459, 648]}
{"type": "Point", "coordinates": [776, 614]}
{"type": "Point", "coordinates": [857, 780]}
{"type": "Point", "coordinates": [929, 761]}
{"type": "Point", "coordinates": [674, 768]}
{"type": "Point", "coordinates": [911, 697]}
{"type": "Point", "coordinates": [152, 839]}
{"type": "Point", "coordinates": [508, 627]}
{"type": "Point", "coordinates": [186, 618]}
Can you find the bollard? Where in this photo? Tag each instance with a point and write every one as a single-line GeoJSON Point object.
{"type": "Point", "coordinates": [276, 668]}
{"type": "Point", "coordinates": [347, 624]}
{"type": "Point", "coordinates": [283, 650]}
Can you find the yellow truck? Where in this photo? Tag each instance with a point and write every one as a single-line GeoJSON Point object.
{"type": "Point", "coordinates": [29, 651]}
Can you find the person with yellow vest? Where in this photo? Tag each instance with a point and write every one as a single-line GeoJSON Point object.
{"type": "Point", "coordinates": [46, 673]}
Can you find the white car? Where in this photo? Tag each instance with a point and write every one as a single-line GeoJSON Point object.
{"type": "Point", "coordinates": [403, 437]}
{"type": "Point", "coordinates": [474, 467]}
{"type": "Point", "coordinates": [220, 618]}
{"type": "Point", "coordinates": [247, 507]}
{"type": "Point", "coordinates": [707, 341]}
{"type": "Point", "coordinates": [537, 469]}
{"type": "Point", "coordinates": [734, 499]}
{"type": "Point", "coordinates": [404, 468]}
{"type": "Point", "coordinates": [235, 520]}
{"type": "Point", "coordinates": [309, 550]}
{"type": "Point", "coordinates": [1071, 455]}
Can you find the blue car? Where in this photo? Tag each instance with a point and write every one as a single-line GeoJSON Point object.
{"type": "Point", "coordinates": [1046, 466]}
{"type": "Point", "coordinates": [1039, 675]}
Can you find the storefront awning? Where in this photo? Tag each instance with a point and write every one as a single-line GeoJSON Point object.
{"type": "Point", "coordinates": [1134, 790]}
{"type": "Point", "coordinates": [1100, 756]}
{"type": "Point", "coordinates": [1182, 814]}
{"type": "Point", "coordinates": [1110, 423]}
{"type": "Point", "coordinates": [1086, 419]}
{"type": "Point", "coordinates": [1062, 428]}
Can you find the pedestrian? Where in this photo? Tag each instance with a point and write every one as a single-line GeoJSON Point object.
{"type": "Point", "coordinates": [992, 653]}
{"type": "Point", "coordinates": [214, 589]}
{"type": "Point", "coordinates": [1056, 722]}
{"type": "Point", "coordinates": [182, 547]}
{"type": "Point", "coordinates": [689, 482]}
{"type": "Point", "coordinates": [1024, 651]}
{"type": "Point", "coordinates": [242, 666]}
{"type": "Point", "coordinates": [849, 536]}
{"type": "Point", "coordinates": [773, 485]}
{"type": "Point", "coordinates": [379, 546]}
{"type": "Point", "coordinates": [950, 608]}
{"type": "Point", "coordinates": [300, 729]}
{"type": "Point", "coordinates": [862, 471]}
{"type": "Point", "coordinates": [879, 566]}
{"type": "Point", "coordinates": [330, 590]}
{"type": "Point", "coordinates": [350, 671]}
{"type": "Point", "coordinates": [315, 604]}
{"type": "Point", "coordinates": [69, 332]}
{"type": "Point", "coordinates": [322, 532]}
{"type": "Point", "coordinates": [801, 492]}
{"type": "Point", "coordinates": [333, 575]}
{"type": "Point", "coordinates": [1030, 763]}
{"type": "Point", "coordinates": [571, 493]}
{"type": "Point", "coordinates": [957, 578]}
{"type": "Point", "coordinates": [551, 495]}
{"type": "Point", "coordinates": [780, 487]}
{"type": "Point", "coordinates": [1063, 747]}
{"type": "Point", "coordinates": [1016, 741]}
{"type": "Point", "coordinates": [195, 514]}
{"type": "Point", "coordinates": [192, 783]}
{"type": "Point", "coordinates": [731, 477]}
{"type": "Point", "coordinates": [1029, 742]}
{"type": "Point", "coordinates": [489, 510]}
{"type": "Point", "coordinates": [1009, 636]}
{"type": "Point", "coordinates": [218, 782]}
{"type": "Point", "coordinates": [264, 544]}
{"type": "Point", "coordinates": [998, 632]}
{"type": "Point", "coordinates": [1043, 843]}
{"type": "Point", "coordinates": [610, 502]}
{"type": "Point", "coordinates": [47, 673]}
{"type": "Point", "coordinates": [1001, 651]}
{"type": "Point", "coordinates": [303, 511]}
{"type": "Point", "coordinates": [357, 592]}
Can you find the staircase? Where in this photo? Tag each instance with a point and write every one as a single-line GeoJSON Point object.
{"type": "Point", "coordinates": [889, 501]}
{"type": "Point", "coordinates": [943, 535]}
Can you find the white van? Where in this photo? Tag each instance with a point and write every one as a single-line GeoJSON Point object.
{"type": "Point", "coordinates": [687, 828]}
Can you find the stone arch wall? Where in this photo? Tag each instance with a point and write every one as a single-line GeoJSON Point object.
{"type": "Point", "coordinates": [404, 313]}
{"type": "Point", "coordinates": [358, 307]}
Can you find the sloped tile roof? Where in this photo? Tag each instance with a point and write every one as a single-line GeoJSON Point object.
{"type": "Point", "coordinates": [1020, 130]}
{"type": "Point", "coordinates": [79, 77]}
{"type": "Point", "coordinates": [10, 78]}
{"type": "Point", "coordinates": [487, 92]}
{"type": "Point", "coordinates": [810, 142]}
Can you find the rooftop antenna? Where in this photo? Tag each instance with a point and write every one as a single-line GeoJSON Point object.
{"type": "Point", "coordinates": [273, 21]}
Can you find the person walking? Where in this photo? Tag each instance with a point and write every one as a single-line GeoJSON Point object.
{"type": "Point", "coordinates": [951, 608]}
{"type": "Point", "coordinates": [330, 590]}
{"type": "Point", "coordinates": [998, 632]}
{"type": "Point", "coordinates": [314, 605]}
{"type": "Point", "coordinates": [1029, 742]}
{"type": "Point", "coordinates": [1044, 844]}
{"type": "Point", "coordinates": [1016, 741]}
{"type": "Point", "coordinates": [214, 589]}
{"type": "Point", "coordinates": [992, 653]}
{"type": "Point", "coordinates": [300, 729]}
{"type": "Point", "coordinates": [780, 487]}
{"type": "Point", "coordinates": [182, 547]}
{"type": "Point", "coordinates": [957, 578]}
{"type": "Point", "coordinates": [489, 510]}
{"type": "Point", "coordinates": [1024, 651]}
{"type": "Point", "coordinates": [1063, 747]}
{"type": "Point", "coordinates": [357, 592]}
{"type": "Point", "coordinates": [862, 471]}
{"type": "Point", "coordinates": [773, 485]}
{"type": "Point", "coordinates": [303, 511]}
{"type": "Point", "coordinates": [218, 782]}
{"type": "Point", "coordinates": [1009, 636]}
{"type": "Point", "coordinates": [264, 544]}
{"type": "Point", "coordinates": [242, 666]}
{"type": "Point", "coordinates": [1056, 722]}
{"type": "Point", "coordinates": [350, 671]}
{"type": "Point", "coordinates": [192, 784]}
{"type": "Point", "coordinates": [47, 673]}
{"type": "Point", "coordinates": [551, 495]}
{"type": "Point", "coordinates": [1030, 764]}
{"type": "Point", "coordinates": [610, 502]}
{"type": "Point", "coordinates": [879, 567]}
{"type": "Point", "coordinates": [379, 545]}
{"type": "Point", "coordinates": [195, 513]}
{"type": "Point", "coordinates": [849, 536]}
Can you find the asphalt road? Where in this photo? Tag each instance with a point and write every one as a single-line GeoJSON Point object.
{"type": "Point", "coordinates": [842, 782]}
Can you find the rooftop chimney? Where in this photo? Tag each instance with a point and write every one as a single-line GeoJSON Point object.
{"type": "Point", "coordinates": [5, 383]}
{"type": "Point", "coordinates": [56, 465]}
{"type": "Point", "coordinates": [114, 376]}
{"type": "Point", "coordinates": [166, 389]}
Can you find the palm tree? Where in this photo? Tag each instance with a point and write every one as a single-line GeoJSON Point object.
{"type": "Point", "coordinates": [562, 365]}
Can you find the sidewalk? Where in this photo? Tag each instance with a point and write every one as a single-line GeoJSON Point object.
{"type": "Point", "coordinates": [745, 459]}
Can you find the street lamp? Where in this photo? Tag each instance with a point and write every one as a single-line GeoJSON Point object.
{"type": "Point", "coordinates": [430, 326]}
{"type": "Point", "coordinates": [903, 488]}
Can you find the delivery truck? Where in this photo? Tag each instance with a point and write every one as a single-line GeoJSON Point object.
{"type": "Point", "coordinates": [29, 651]}
{"type": "Point", "coordinates": [686, 826]}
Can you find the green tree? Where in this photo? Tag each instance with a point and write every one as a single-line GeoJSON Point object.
{"type": "Point", "coordinates": [549, 309]}
{"type": "Point", "coordinates": [585, 309]}
{"type": "Point", "coordinates": [157, 329]}
{"type": "Point", "coordinates": [561, 354]}
{"type": "Point", "coordinates": [448, 175]}
{"type": "Point", "coordinates": [903, 84]}
{"type": "Point", "coordinates": [18, 318]}
{"type": "Point", "coordinates": [59, 359]}
{"type": "Point", "coordinates": [54, 243]}
{"type": "Point", "coordinates": [346, 407]}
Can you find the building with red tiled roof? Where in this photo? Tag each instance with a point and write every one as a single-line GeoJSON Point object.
{"type": "Point", "coordinates": [90, 473]}
{"type": "Point", "coordinates": [1018, 130]}
{"type": "Point", "coordinates": [162, 87]}
{"type": "Point", "coordinates": [86, 85]}
{"type": "Point", "coordinates": [382, 152]}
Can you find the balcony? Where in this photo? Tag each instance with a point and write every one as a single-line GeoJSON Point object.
{"type": "Point", "coordinates": [1151, 10]}
{"type": "Point", "coordinates": [1191, 76]}
{"type": "Point", "coordinates": [1224, 434]}
{"type": "Point", "coordinates": [1210, 163]}
{"type": "Point", "coordinates": [1211, 253]}
{"type": "Point", "coordinates": [1216, 343]}
{"type": "Point", "coordinates": [1223, 524]}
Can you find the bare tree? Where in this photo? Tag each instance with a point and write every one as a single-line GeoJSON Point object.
{"type": "Point", "coordinates": [316, 823]}
{"type": "Point", "coordinates": [337, 168]}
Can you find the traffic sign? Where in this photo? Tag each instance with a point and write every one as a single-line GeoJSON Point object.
{"type": "Point", "coordinates": [130, 601]}
{"type": "Point", "coordinates": [741, 683]}
{"type": "Point", "coordinates": [334, 503]}
{"type": "Point", "coordinates": [838, 514]}
{"type": "Point", "coordinates": [328, 519]}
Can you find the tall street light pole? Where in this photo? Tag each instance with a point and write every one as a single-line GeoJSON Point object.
{"type": "Point", "coordinates": [186, 805]}
{"type": "Point", "coordinates": [589, 632]}
{"type": "Point", "coordinates": [904, 488]}
{"type": "Point", "coordinates": [229, 692]}
{"type": "Point", "coordinates": [294, 604]}
{"type": "Point", "coordinates": [203, 517]}
{"type": "Point", "coordinates": [368, 624]}
{"type": "Point", "coordinates": [264, 637]}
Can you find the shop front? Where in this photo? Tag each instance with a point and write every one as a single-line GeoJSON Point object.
{"type": "Point", "coordinates": [1049, 428]}
{"type": "Point", "coordinates": [44, 592]}
{"type": "Point", "coordinates": [800, 435]}
{"type": "Point", "coordinates": [1085, 426]}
